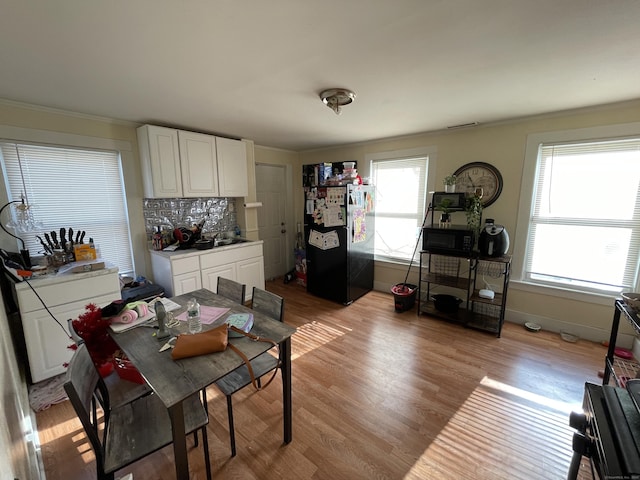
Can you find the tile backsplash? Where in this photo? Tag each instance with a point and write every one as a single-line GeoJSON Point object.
{"type": "Point", "coordinates": [169, 213]}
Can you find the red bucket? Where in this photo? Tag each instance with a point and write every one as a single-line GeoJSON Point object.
{"type": "Point", "coordinates": [404, 296]}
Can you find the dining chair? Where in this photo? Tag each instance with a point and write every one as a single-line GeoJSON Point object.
{"type": "Point", "coordinates": [268, 304]}
{"type": "Point", "coordinates": [121, 391]}
{"type": "Point", "coordinates": [121, 436]}
{"type": "Point", "coordinates": [231, 289]}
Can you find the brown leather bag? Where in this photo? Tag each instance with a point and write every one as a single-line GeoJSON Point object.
{"type": "Point", "coordinates": [210, 341]}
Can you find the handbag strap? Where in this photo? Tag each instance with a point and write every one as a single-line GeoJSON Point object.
{"type": "Point", "coordinates": [255, 338]}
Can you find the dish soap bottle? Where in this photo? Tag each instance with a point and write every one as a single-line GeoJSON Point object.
{"type": "Point", "coordinates": [193, 316]}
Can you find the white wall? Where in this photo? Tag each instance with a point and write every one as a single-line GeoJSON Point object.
{"type": "Point", "coordinates": [502, 145]}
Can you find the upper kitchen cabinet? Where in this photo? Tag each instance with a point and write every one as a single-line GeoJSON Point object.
{"type": "Point", "coordinates": [199, 164]}
{"type": "Point", "coordinates": [232, 167]}
{"type": "Point", "coordinates": [160, 157]}
{"type": "Point", "coordinates": [178, 163]}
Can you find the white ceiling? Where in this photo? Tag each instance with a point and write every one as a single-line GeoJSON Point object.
{"type": "Point", "coordinates": [254, 69]}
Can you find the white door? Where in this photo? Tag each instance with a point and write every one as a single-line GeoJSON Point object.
{"type": "Point", "coordinates": [271, 190]}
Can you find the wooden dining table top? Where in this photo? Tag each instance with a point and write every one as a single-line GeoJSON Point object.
{"type": "Point", "coordinates": [175, 380]}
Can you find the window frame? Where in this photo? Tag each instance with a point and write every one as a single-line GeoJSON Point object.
{"type": "Point", "coordinates": [527, 190]}
{"type": "Point", "coordinates": [430, 153]}
{"type": "Point", "coordinates": [13, 134]}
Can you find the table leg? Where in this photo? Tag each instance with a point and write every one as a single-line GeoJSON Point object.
{"type": "Point", "coordinates": [612, 345]}
{"type": "Point", "coordinates": [179, 442]}
{"type": "Point", "coordinates": [285, 367]}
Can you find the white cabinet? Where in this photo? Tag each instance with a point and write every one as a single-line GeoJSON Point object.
{"type": "Point", "coordinates": [232, 167]}
{"type": "Point", "coordinates": [199, 165]}
{"type": "Point", "coordinates": [177, 274]}
{"type": "Point", "coordinates": [178, 163]}
{"type": "Point", "coordinates": [160, 157]}
{"type": "Point", "coordinates": [66, 296]}
{"type": "Point", "coordinates": [180, 273]}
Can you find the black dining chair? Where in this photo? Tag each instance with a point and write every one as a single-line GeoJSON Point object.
{"type": "Point", "coordinates": [231, 289]}
{"type": "Point", "coordinates": [268, 304]}
{"type": "Point", "coordinates": [121, 391]}
{"type": "Point", "coordinates": [121, 436]}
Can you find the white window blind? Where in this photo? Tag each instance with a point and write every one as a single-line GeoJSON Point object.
{"type": "Point", "coordinates": [71, 187]}
{"type": "Point", "coordinates": [401, 193]}
{"type": "Point", "coordinates": [584, 231]}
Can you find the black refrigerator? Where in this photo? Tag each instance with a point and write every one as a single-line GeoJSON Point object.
{"type": "Point", "coordinates": [339, 233]}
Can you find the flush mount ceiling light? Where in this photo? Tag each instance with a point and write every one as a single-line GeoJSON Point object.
{"type": "Point", "coordinates": [336, 98]}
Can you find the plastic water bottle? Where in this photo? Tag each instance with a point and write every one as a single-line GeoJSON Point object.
{"type": "Point", "coordinates": [193, 316]}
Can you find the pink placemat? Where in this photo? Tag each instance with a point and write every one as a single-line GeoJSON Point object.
{"type": "Point", "coordinates": [208, 315]}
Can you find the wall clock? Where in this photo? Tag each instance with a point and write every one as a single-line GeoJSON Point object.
{"type": "Point", "coordinates": [479, 174]}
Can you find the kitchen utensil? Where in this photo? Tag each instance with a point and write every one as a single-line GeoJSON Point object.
{"type": "Point", "coordinates": [71, 237]}
{"type": "Point", "coordinates": [82, 237]}
{"type": "Point", "coordinates": [48, 238]}
{"type": "Point", "coordinates": [63, 238]}
{"type": "Point", "coordinates": [54, 237]}
{"type": "Point", "coordinates": [44, 245]}
{"type": "Point", "coordinates": [78, 236]}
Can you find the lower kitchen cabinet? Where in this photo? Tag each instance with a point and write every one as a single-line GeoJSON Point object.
{"type": "Point", "coordinates": [186, 271]}
{"type": "Point", "coordinates": [66, 296]}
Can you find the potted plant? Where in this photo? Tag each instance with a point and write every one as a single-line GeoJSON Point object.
{"type": "Point", "coordinates": [445, 207]}
{"type": "Point", "coordinates": [473, 211]}
{"type": "Point", "coordinates": [449, 183]}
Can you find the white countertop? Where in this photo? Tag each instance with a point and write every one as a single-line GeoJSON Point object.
{"type": "Point", "coordinates": [194, 251]}
{"type": "Point", "coordinates": [54, 278]}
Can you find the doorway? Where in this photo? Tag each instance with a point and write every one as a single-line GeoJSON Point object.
{"type": "Point", "coordinates": [271, 190]}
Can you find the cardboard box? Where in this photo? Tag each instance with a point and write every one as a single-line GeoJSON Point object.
{"type": "Point", "coordinates": [84, 251]}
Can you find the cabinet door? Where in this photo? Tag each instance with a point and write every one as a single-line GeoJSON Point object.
{"type": "Point", "coordinates": [187, 282]}
{"type": "Point", "coordinates": [232, 167]}
{"type": "Point", "coordinates": [251, 273]}
{"type": "Point", "coordinates": [199, 164]}
{"type": "Point", "coordinates": [210, 275]}
{"type": "Point", "coordinates": [47, 343]}
{"type": "Point", "coordinates": [160, 157]}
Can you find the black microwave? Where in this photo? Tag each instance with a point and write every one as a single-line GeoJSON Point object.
{"type": "Point", "coordinates": [454, 239]}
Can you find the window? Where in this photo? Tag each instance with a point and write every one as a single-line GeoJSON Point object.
{"type": "Point", "coordinates": [584, 219]}
{"type": "Point", "coordinates": [72, 187]}
{"type": "Point", "coordinates": [401, 197]}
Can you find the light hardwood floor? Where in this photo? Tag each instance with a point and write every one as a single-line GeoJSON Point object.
{"type": "Point", "coordinates": [382, 395]}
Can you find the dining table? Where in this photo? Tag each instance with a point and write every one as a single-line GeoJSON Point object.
{"type": "Point", "coordinates": [173, 381]}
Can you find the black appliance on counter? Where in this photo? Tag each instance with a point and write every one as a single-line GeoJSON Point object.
{"type": "Point", "coordinates": [448, 239]}
{"type": "Point", "coordinates": [339, 234]}
{"type": "Point", "coordinates": [494, 239]}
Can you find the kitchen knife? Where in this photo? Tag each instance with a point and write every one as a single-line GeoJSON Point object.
{"type": "Point", "coordinates": [82, 237]}
{"type": "Point", "coordinates": [71, 238]}
{"type": "Point", "coordinates": [63, 238]}
{"type": "Point", "coordinates": [51, 245]}
{"type": "Point", "coordinates": [78, 236]}
{"type": "Point", "coordinates": [44, 245]}
{"type": "Point", "coordinates": [54, 237]}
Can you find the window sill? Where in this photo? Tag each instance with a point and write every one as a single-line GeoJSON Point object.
{"type": "Point", "coordinates": [593, 298]}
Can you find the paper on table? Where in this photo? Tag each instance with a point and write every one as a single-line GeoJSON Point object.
{"type": "Point", "coordinates": [169, 305]}
{"type": "Point", "coordinates": [208, 315]}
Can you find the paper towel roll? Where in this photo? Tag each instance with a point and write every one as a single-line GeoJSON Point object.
{"type": "Point", "coordinates": [253, 205]}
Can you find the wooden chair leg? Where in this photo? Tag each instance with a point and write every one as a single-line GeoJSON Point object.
{"type": "Point", "coordinates": [232, 433]}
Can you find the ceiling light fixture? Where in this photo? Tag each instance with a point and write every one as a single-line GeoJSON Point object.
{"type": "Point", "coordinates": [336, 98]}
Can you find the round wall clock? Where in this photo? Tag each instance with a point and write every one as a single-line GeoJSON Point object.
{"type": "Point", "coordinates": [479, 174]}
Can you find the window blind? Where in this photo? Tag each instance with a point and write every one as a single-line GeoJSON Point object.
{"type": "Point", "coordinates": [72, 187]}
{"type": "Point", "coordinates": [585, 218]}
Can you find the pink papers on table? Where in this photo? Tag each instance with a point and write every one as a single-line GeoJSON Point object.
{"type": "Point", "coordinates": [208, 315]}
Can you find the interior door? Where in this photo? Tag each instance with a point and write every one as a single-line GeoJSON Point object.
{"type": "Point", "coordinates": [272, 192]}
